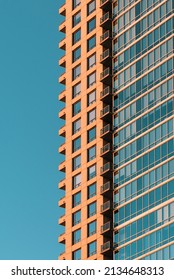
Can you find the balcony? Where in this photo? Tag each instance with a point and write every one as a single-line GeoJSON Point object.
{"type": "Point", "coordinates": [107, 208]}
{"type": "Point", "coordinates": [61, 238]}
{"type": "Point", "coordinates": [106, 114]}
{"type": "Point", "coordinates": [106, 133]}
{"type": "Point", "coordinates": [106, 77]}
{"type": "Point", "coordinates": [62, 10]}
{"type": "Point", "coordinates": [62, 202]}
{"type": "Point", "coordinates": [62, 166]}
{"type": "Point", "coordinates": [62, 44]}
{"type": "Point", "coordinates": [62, 79]}
{"type": "Point", "coordinates": [62, 114]}
{"type": "Point", "coordinates": [106, 95]}
{"type": "Point", "coordinates": [105, 58]}
{"type": "Point", "coordinates": [106, 5]}
{"type": "Point", "coordinates": [107, 187]}
{"type": "Point", "coordinates": [62, 220]}
{"type": "Point", "coordinates": [106, 228]}
{"type": "Point", "coordinates": [106, 39]}
{"type": "Point", "coordinates": [106, 151]}
{"type": "Point", "coordinates": [107, 170]}
{"type": "Point", "coordinates": [62, 149]}
{"type": "Point", "coordinates": [62, 61]}
{"type": "Point", "coordinates": [62, 185]}
{"type": "Point", "coordinates": [62, 27]}
{"type": "Point", "coordinates": [62, 96]}
{"type": "Point", "coordinates": [62, 131]}
{"type": "Point", "coordinates": [106, 249]}
{"type": "Point", "coordinates": [106, 21]}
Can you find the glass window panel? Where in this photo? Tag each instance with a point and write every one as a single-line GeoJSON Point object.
{"type": "Point", "coordinates": [92, 228]}
{"type": "Point", "coordinates": [91, 134]}
{"type": "Point", "coordinates": [91, 25]}
{"type": "Point", "coordinates": [92, 208]}
{"type": "Point", "coordinates": [76, 18]}
{"type": "Point", "coordinates": [76, 180]}
{"type": "Point", "coordinates": [91, 7]}
{"type": "Point", "coordinates": [91, 98]}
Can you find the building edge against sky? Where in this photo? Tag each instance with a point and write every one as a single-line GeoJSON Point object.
{"type": "Point", "coordinates": [118, 131]}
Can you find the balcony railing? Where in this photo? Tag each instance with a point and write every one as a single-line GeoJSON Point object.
{"type": "Point", "coordinates": [107, 166]}
{"type": "Point", "coordinates": [105, 92]}
{"type": "Point", "coordinates": [105, 187]}
{"type": "Point", "coordinates": [106, 227]}
{"type": "Point", "coordinates": [105, 54]}
{"type": "Point", "coordinates": [105, 129]}
{"type": "Point", "coordinates": [106, 246]}
{"type": "Point", "coordinates": [105, 148]}
{"type": "Point", "coordinates": [104, 17]}
{"type": "Point", "coordinates": [105, 73]}
{"type": "Point", "coordinates": [105, 36]}
{"type": "Point", "coordinates": [105, 111]}
{"type": "Point", "coordinates": [106, 206]}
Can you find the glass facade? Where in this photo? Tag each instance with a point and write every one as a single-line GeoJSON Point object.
{"type": "Point", "coordinates": [144, 129]}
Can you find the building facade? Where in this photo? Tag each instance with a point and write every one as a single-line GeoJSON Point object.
{"type": "Point", "coordinates": [118, 130]}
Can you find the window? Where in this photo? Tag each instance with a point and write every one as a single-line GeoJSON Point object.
{"type": "Point", "coordinates": [91, 153]}
{"type": "Point", "coordinates": [76, 162]}
{"type": "Point", "coordinates": [76, 126]}
{"type": "Point", "coordinates": [91, 43]}
{"type": "Point", "coordinates": [76, 144]}
{"type": "Point", "coordinates": [91, 61]}
{"type": "Point", "coordinates": [76, 255]}
{"type": "Point", "coordinates": [91, 25]}
{"type": "Point", "coordinates": [91, 134]}
{"type": "Point", "coordinates": [92, 209]}
{"type": "Point", "coordinates": [76, 36]}
{"type": "Point", "coordinates": [76, 218]}
{"type": "Point", "coordinates": [91, 79]}
{"type": "Point", "coordinates": [91, 98]}
{"type": "Point", "coordinates": [91, 171]}
{"type": "Point", "coordinates": [76, 72]}
{"type": "Point", "coordinates": [76, 54]}
{"type": "Point", "coordinates": [90, 7]}
{"type": "Point", "coordinates": [91, 190]}
{"type": "Point", "coordinates": [76, 236]}
{"type": "Point", "coordinates": [91, 116]}
{"type": "Point", "coordinates": [76, 90]}
{"type": "Point", "coordinates": [76, 199]}
{"type": "Point", "coordinates": [76, 19]}
{"type": "Point", "coordinates": [76, 181]}
{"type": "Point", "coordinates": [92, 248]}
{"type": "Point", "coordinates": [76, 108]}
{"type": "Point", "coordinates": [76, 3]}
{"type": "Point", "coordinates": [92, 228]}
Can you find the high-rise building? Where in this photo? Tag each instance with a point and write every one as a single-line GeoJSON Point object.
{"type": "Point", "coordinates": [119, 129]}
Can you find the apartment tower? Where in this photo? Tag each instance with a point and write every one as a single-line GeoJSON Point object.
{"type": "Point", "coordinates": [118, 130]}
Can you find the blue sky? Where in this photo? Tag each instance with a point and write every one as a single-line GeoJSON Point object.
{"type": "Point", "coordinates": [28, 129]}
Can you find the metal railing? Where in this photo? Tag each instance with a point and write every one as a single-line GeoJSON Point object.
{"type": "Point", "coordinates": [107, 166]}
{"type": "Point", "coordinates": [105, 148]}
{"type": "Point", "coordinates": [105, 187]}
{"type": "Point", "coordinates": [104, 17]}
{"type": "Point", "coordinates": [105, 54]}
{"type": "Point", "coordinates": [105, 73]}
{"type": "Point", "coordinates": [106, 226]}
{"type": "Point", "coordinates": [104, 36]}
{"type": "Point", "coordinates": [105, 92]}
{"type": "Point", "coordinates": [105, 110]}
{"type": "Point", "coordinates": [105, 129]}
{"type": "Point", "coordinates": [106, 206]}
{"type": "Point", "coordinates": [106, 246]}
